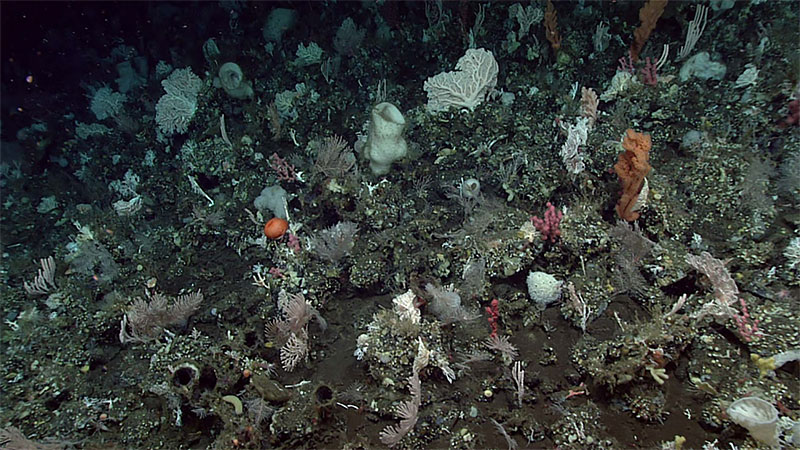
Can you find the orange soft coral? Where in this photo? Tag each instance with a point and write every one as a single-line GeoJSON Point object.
{"type": "Point", "coordinates": [648, 15]}
{"type": "Point", "coordinates": [631, 168]}
{"type": "Point", "coordinates": [551, 26]}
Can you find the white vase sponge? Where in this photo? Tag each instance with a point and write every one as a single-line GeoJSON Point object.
{"type": "Point", "coordinates": [385, 142]}
{"type": "Point", "coordinates": [758, 416]}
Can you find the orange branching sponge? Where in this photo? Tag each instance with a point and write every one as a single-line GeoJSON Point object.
{"type": "Point", "coordinates": [551, 26]}
{"type": "Point", "coordinates": [648, 15]}
{"type": "Point", "coordinates": [631, 168]}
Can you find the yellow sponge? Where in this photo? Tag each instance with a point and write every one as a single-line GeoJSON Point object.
{"type": "Point", "coordinates": [765, 365]}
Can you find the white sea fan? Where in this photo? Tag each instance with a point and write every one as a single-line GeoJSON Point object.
{"type": "Point", "coordinates": [107, 103]}
{"type": "Point", "coordinates": [475, 75]}
{"type": "Point", "coordinates": [176, 108]}
{"type": "Point", "coordinates": [348, 37]}
{"type": "Point", "coordinates": [173, 113]}
{"type": "Point", "coordinates": [183, 83]}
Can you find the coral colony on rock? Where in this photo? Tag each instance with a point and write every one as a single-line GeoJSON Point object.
{"type": "Point", "coordinates": [417, 225]}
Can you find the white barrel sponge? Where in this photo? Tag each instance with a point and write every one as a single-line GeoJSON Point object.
{"type": "Point", "coordinates": [543, 288]}
{"type": "Point", "coordinates": [279, 21]}
{"type": "Point", "coordinates": [272, 198]}
{"type": "Point", "coordinates": [758, 416]}
{"type": "Point", "coordinates": [232, 80]}
{"type": "Point", "coordinates": [385, 142]}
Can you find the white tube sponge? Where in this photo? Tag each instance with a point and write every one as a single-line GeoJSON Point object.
{"type": "Point", "coordinates": [385, 142]}
{"type": "Point", "coordinates": [758, 416]}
